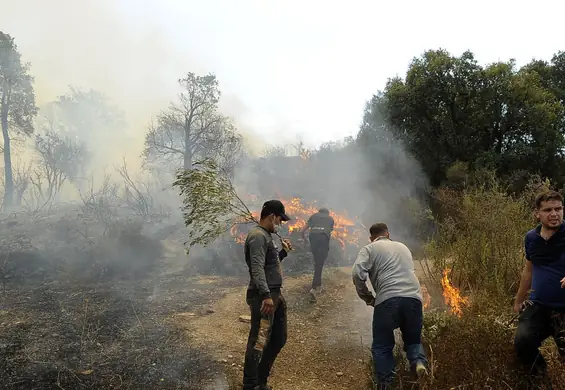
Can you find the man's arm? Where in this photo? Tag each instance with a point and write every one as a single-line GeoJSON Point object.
{"type": "Point", "coordinates": [332, 225]}
{"type": "Point", "coordinates": [304, 230]}
{"type": "Point", "coordinates": [257, 244]}
{"type": "Point", "coordinates": [525, 285]}
{"type": "Point", "coordinates": [360, 274]}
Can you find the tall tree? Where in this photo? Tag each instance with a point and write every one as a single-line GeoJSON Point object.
{"type": "Point", "coordinates": [192, 128]}
{"type": "Point", "coordinates": [17, 108]}
{"type": "Point", "coordinates": [85, 115]}
{"type": "Point", "coordinates": [59, 159]}
{"type": "Point", "coordinates": [450, 109]}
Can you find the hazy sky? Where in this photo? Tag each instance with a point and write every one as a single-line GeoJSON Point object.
{"type": "Point", "coordinates": [304, 68]}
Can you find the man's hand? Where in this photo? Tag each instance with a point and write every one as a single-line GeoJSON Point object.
{"type": "Point", "coordinates": [267, 307]}
{"type": "Point", "coordinates": [370, 302]}
{"type": "Point", "coordinates": [286, 244]}
{"type": "Point", "coordinates": [563, 283]}
{"type": "Point", "coordinates": [518, 307]}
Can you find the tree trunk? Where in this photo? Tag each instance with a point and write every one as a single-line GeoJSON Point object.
{"type": "Point", "coordinates": [187, 159]}
{"type": "Point", "coordinates": [8, 177]}
{"type": "Point", "coordinates": [187, 164]}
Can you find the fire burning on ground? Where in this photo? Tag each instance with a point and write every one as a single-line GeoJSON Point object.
{"type": "Point", "coordinates": [346, 230]}
{"type": "Point", "coordinates": [427, 297]}
{"type": "Point", "coordinates": [451, 295]}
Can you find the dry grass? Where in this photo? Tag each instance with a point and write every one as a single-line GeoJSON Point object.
{"type": "Point", "coordinates": [480, 238]}
{"type": "Point", "coordinates": [327, 345]}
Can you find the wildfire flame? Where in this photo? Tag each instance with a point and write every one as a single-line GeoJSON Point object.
{"type": "Point", "coordinates": [451, 295]}
{"type": "Point", "coordinates": [427, 297]}
{"type": "Point", "coordinates": [345, 229]}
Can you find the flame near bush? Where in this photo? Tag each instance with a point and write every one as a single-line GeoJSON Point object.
{"type": "Point", "coordinates": [346, 230]}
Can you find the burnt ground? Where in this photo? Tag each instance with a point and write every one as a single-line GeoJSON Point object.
{"type": "Point", "coordinates": [56, 333]}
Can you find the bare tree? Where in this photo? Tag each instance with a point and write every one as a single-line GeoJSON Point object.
{"type": "Point", "coordinates": [192, 128]}
{"type": "Point", "coordinates": [59, 160]}
{"type": "Point", "coordinates": [101, 203]}
{"type": "Point", "coordinates": [22, 180]}
{"type": "Point", "coordinates": [137, 194]}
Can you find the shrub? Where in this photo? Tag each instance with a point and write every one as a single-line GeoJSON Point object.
{"type": "Point", "coordinates": [480, 235]}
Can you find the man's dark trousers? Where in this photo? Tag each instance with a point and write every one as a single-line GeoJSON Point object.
{"type": "Point", "coordinates": [320, 246]}
{"type": "Point", "coordinates": [536, 323]}
{"type": "Point", "coordinates": [397, 312]}
{"type": "Point", "coordinates": [267, 337]}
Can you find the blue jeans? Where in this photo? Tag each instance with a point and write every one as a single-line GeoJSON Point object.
{"type": "Point", "coordinates": [403, 313]}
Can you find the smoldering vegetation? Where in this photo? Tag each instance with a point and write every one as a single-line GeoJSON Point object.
{"type": "Point", "coordinates": [87, 303]}
{"type": "Point", "coordinates": [92, 266]}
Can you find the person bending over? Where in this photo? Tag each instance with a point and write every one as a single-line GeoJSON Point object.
{"type": "Point", "coordinates": [389, 266]}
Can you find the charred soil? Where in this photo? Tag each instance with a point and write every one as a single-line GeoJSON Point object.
{"type": "Point", "coordinates": [58, 333]}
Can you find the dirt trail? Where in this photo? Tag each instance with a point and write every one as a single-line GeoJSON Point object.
{"type": "Point", "coordinates": [327, 345]}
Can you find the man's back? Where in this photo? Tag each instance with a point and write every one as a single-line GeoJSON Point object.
{"type": "Point", "coordinates": [390, 268]}
{"type": "Point", "coordinates": [321, 223]}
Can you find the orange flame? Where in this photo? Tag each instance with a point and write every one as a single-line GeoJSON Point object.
{"type": "Point", "coordinates": [427, 297]}
{"type": "Point", "coordinates": [344, 228]}
{"type": "Point", "coordinates": [451, 295]}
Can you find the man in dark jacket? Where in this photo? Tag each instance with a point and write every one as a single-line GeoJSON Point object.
{"type": "Point", "coordinates": [267, 335]}
{"type": "Point", "coordinates": [321, 226]}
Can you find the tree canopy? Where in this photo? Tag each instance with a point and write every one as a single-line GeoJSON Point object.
{"type": "Point", "coordinates": [450, 109]}
{"type": "Point", "coordinates": [193, 129]}
{"type": "Point", "coordinates": [17, 106]}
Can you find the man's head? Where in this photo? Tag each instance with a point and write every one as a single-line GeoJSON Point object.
{"type": "Point", "coordinates": [324, 210]}
{"type": "Point", "coordinates": [272, 214]}
{"type": "Point", "coordinates": [378, 230]}
{"type": "Point", "coordinates": [549, 209]}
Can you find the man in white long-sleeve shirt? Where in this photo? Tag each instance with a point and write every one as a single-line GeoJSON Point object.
{"type": "Point", "coordinates": [398, 302]}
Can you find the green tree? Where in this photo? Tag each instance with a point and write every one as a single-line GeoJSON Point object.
{"type": "Point", "coordinates": [449, 109]}
{"type": "Point", "coordinates": [211, 205]}
{"type": "Point", "coordinates": [193, 129]}
{"type": "Point", "coordinates": [17, 109]}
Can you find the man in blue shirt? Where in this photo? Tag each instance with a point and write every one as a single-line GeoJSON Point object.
{"type": "Point", "coordinates": [543, 315]}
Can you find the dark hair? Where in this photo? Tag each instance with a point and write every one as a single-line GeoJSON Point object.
{"type": "Point", "coordinates": [546, 196]}
{"type": "Point", "coordinates": [324, 210]}
{"type": "Point", "coordinates": [377, 229]}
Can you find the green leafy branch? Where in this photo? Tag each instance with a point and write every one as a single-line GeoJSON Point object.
{"type": "Point", "coordinates": [211, 206]}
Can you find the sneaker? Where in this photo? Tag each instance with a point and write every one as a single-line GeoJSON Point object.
{"type": "Point", "coordinates": [421, 370]}
{"type": "Point", "coordinates": [313, 295]}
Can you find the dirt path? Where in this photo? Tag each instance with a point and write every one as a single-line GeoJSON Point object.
{"type": "Point", "coordinates": [327, 345]}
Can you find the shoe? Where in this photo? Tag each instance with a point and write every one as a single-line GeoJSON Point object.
{"type": "Point", "coordinates": [313, 295]}
{"type": "Point", "coordinates": [421, 370]}
{"type": "Point", "coordinates": [263, 387]}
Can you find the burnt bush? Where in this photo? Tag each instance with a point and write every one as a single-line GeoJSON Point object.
{"type": "Point", "coordinates": [124, 252]}
{"type": "Point", "coordinates": [97, 340]}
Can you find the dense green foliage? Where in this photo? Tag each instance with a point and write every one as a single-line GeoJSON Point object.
{"type": "Point", "coordinates": [451, 109]}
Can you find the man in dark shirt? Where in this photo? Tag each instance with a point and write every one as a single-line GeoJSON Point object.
{"type": "Point", "coordinates": [267, 335]}
{"type": "Point", "coordinates": [543, 315]}
{"type": "Point", "coordinates": [321, 226]}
